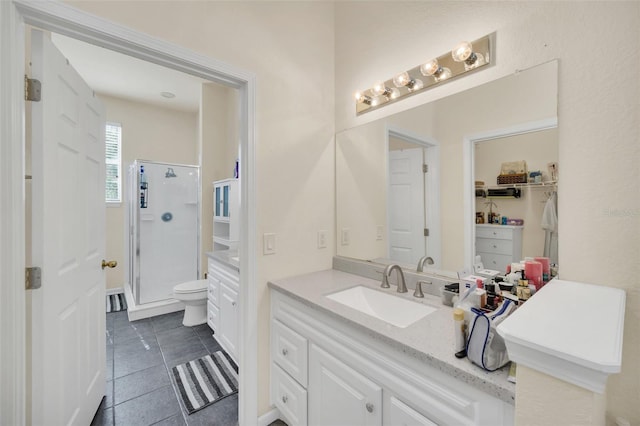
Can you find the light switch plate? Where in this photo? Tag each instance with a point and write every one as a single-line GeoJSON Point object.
{"type": "Point", "coordinates": [269, 243]}
{"type": "Point", "coordinates": [322, 239]}
{"type": "Point", "coordinates": [379, 232]}
{"type": "Point", "coordinates": [345, 236]}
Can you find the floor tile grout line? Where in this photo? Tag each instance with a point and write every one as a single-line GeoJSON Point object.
{"type": "Point", "coordinates": [175, 391]}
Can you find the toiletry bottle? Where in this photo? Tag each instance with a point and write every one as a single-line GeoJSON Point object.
{"type": "Point", "coordinates": [460, 349]}
{"type": "Point", "coordinates": [143, 188]}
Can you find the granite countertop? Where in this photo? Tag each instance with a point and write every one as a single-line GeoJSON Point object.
{"type": "Point", "coordinates": [227, 257]}
{"type": "Point", "coordinates": [430, 339]}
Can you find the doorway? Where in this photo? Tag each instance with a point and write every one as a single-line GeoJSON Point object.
{"type": "Point", "coordinates": [68, 21]}
{"type": "Point", "coordinates": [413, 179]}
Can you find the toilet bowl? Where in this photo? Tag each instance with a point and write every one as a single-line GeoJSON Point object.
{"type": "Point", "coordinates": [194, 296]}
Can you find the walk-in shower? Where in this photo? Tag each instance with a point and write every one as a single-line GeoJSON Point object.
{"type": "Point", "coordinates": [163, 222]}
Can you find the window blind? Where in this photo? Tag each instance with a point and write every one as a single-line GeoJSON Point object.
{"type": "Point", "coordinates": [113, 143]}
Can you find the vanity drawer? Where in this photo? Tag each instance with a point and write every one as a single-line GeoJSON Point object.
{"type": "Point", "coordinates": [213, 292]}
{"type": "Point", "coordinates": [496, 246]}
{"type": "Point", "coordinates": [289, 397]}
{"type": "Point", "coordinates": [497, 262]}
{"type": "Point", "coordinates": [494, 232]}
{"type": "Point", "coordinates": [289, 350]}
{"type": "Point", "coordinates": [213, 316]}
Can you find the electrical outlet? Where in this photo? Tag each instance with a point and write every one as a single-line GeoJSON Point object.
{"type": "Point", "coordinates": [322, 239]}
{"type": "Point", "coordinates": [379, 232]}
{"type": "Point", "coordinates": [345, 236]}
{"type": "Point", "coordinates": [269, 244]}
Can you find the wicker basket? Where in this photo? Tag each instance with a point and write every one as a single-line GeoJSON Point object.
{"type": "Point", "coordinates": [512, 178]}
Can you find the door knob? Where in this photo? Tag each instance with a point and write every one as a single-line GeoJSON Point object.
{"type": "Point", "coordinates": [109, 264]}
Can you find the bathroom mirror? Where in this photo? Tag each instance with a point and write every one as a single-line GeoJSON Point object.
{"type": "Point", "coordinates": [443, 132]}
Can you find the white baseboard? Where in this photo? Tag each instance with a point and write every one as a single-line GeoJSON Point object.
{"type": "Point", "coordinates": [269, 417]}
{"type": "Point", "coordinates": [116, 290]}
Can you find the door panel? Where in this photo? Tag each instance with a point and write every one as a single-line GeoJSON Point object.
{"type": "Point", "coordinates": [68, 242]}
{"type": "Point", "coordinates": [406, 205]}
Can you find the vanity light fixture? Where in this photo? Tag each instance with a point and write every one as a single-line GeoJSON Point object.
{"type": "Point", "coordinates": [464, 58]}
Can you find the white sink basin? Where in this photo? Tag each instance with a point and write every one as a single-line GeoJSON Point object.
{"type": "Point", "coordinates": [385, 306]}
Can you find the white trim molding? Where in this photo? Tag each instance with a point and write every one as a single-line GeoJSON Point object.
{"type": "Point", "coordinates": [12, 218]}
{"type": "Point", "coordinates": [64, 19]}
{"type": "Point", "coordinates": [468, 156]}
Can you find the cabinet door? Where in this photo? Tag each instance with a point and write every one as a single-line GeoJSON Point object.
{"type": "Point", "coordinates": [217, 200]}
{"type": "Point", "coordinates": [398, 413]}
{"type": "Point", "coordinates": [339, 395]}
{"type": "Point", "coordinates": [229, 320]}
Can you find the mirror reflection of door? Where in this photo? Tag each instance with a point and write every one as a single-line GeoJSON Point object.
{"type": "Point", "coordinates": [406, 202]}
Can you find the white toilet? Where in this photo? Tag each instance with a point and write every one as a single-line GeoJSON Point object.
{"type": "Point", "coordinates": [194, 296]}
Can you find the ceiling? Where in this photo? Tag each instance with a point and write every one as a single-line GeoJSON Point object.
{"type": "Point", "coordinates": [122, 76]}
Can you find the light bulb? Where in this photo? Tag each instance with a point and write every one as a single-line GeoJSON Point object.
{"type": "Point", "coordinates": [474, 61]}
{"type": "Point", "coordinates": [395, 93]}
{"type": "Point", "coordinates": [442, 74]}
{"type": "Point", "coordinates": [462, 51]}
{"type": "Point", "coordinates": [361, 98]}
{"type": "Point", "coordinates": [430, 68]}
{"type": "Point", "coordinates": [378, 88]}
{"type": "Point", "coordinates": [415, 85]}
{"type": "Point", "coordinates": [401, 79]}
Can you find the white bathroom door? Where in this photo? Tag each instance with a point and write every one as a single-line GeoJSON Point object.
{"type": "Point", "coordinates": [68, 312]}
{"type": "Point", "coordinates": [406, 201]}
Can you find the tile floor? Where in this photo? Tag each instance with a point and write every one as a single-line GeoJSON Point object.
{"type": "Point", "coordinates": [140, 390]}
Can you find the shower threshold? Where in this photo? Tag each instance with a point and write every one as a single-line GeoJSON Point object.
{"type": "Point", "coordinates": [147, 310]}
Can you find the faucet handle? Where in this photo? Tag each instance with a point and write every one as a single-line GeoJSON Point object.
{"type": "Point", "coordinates": [418, 291]}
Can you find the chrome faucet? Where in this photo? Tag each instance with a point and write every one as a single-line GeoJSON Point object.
{"type": "Point", "coordinates": [424, 259]}
{"type": "Point", "coordinates": [402, 287]}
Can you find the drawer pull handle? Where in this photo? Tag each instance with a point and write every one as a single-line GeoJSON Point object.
{"type": "Point", "coordinates": [369, 407]}
{"type": "Point", "coordinates": [495, 233]}
{"type": "Point", "coordinates": [233, 303]}
{"type": "Point", "coordinates": [285, 351]}
{"type": "Point", "coordinates": [284, 398]}
{"type": "Point", "coordinates": [495, 246]}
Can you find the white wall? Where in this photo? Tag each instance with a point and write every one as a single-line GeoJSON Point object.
{"type": "Point", "coordinates": [219, 126]}
{"type": "Point", "coordinates": [599, 121]}
{"type": "Point", "coordinates": [150, 133]}
{"type": "Point", "coordinates": [290, 47]}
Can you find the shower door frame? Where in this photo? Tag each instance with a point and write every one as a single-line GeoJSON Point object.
{"type": "Point", "coordinates": [134, 213]}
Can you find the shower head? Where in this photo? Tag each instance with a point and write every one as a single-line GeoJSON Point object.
{"type": "Point", "coordinates": [170, 173]}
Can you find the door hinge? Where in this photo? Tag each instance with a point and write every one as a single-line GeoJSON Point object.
{"type": "Point", "coordinates": [426, 232]}
{"type": "Point", "coordinates": [33, 278]}
{"type": "Point", "coordinates": [425, 168]}
{"type": "Point", "coordinates": [32, 89]}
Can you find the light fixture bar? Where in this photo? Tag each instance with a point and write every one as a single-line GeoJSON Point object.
{"type": "Point", "coordinates": [460, 61]}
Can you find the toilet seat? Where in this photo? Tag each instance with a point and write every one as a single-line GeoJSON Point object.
{"type": "Point", "coordinates": [191, 287]}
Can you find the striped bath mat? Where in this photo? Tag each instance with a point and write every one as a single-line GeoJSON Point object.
{"type": "Point", "coordinates": [116, 302]}
{"type": "Point", "coordinates": [206, 380]}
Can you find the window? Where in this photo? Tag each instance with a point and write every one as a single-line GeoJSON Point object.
{"type": "Point", "coordinates": [113, 142]}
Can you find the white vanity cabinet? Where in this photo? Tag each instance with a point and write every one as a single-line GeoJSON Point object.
{"type": "Point", "coordinates": [327, 372]}
{"type": "Point", "coordinates": [226, 206]}
{"type": "Point", "coordinates": [498, 245]}
{"type": "Point", "coordinates": [222, 305]}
